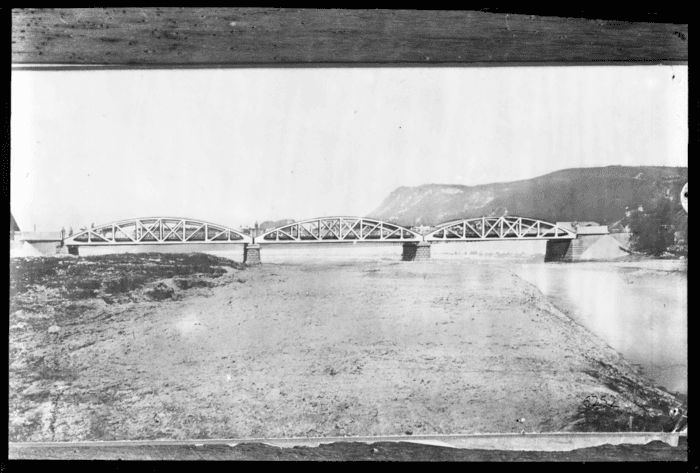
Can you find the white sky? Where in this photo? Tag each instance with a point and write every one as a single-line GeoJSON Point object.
{"type": "Point", "coordinates": [233, 146]}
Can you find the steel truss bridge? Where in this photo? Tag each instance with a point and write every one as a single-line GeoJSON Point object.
{"type": "Point", "coordinates": [339, 229]}
{"type": "Point", "coordinates": [499, 228]}
{"type": "Point", "coordinates": [157, 231]}
{"type": "Point", "coordinates": [170, 230]}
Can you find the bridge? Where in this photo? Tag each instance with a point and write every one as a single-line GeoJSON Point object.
{"type": "Point", "coordinates": [416, 246]}
{"type": "Point", "coordinates": [563, 243]}
{"type": "Point", "coordinates": [156, 231]}
{"type": "Point", "coordinates": [339, 229]}
{"type": "Point", "coordinates": [499, 228]}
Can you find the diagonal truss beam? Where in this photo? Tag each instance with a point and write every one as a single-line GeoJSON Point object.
{"type": "Point", "coordinates": [500, 228]}
{"type": "Point", "coordinates": [148, 229]}
{"type": "Point", "coordinates": [174, 230]}
{"type": "Point", "coordinates": [338, 230]}
{"type": "Point", "coordinates": [352, 228]}
{"type": "Point", "coordinates": [117, 227]}
{"type": "Point", "coordinates": [189, 238]}
{"type": "Point", "coordinates": [154, 231]}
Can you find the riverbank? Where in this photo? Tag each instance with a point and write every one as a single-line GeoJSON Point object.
{"type": "Point", "coordinates": [350, 348]}
{"type": "Point", "coordinates": [639, 308]}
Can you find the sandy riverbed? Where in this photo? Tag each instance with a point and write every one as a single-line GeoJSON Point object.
{"type": "Point", "coordinates": [345, 348]}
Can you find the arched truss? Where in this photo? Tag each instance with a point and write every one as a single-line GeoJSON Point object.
{"type": "Point", "coordinates": [338, 229]}
{"type": "Point", "coordinates": [157, 231]}
{"type": "Point", "coordinates": [499, 228]}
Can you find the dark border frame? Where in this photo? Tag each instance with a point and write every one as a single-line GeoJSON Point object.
{"type": "Point", "coordinates": [162, 38]}
{"type": "Point", "coordinates": [248, 37]}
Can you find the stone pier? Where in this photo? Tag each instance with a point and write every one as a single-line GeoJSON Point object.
{"type": "Point", "coordinates": [564, 251]}
{"type": "Point", "coordinates": [416, 251]}
{"type": "Point", "coordinates": [584, 248]}
{"type": "Point", "coordinates": [251, 254]}
{"type": "Point", "coordinates": [592, 242]}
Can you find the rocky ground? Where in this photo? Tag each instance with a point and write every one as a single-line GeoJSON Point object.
{"type": "Point", "coordinates": [193, 346]}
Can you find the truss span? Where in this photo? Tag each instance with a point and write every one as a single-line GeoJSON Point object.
{"type": "Point", "coordinates": [157, 231]}
{"type": "Point", "coordinates": [499, 228]}
{"type": "Point", "coordinates": [339, 229]}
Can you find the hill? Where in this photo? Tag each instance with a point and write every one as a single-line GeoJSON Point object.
{"type": "Point", "coordinates": [599, 194]}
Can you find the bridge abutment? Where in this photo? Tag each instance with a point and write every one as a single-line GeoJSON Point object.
{"type": "Point", "coordinates": [569, 251]}
{"type": "Point", "coordinates": [416, 251]}
{"type": "Point", "coordinates": [251, 254]}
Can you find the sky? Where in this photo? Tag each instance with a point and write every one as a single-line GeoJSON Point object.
{"type": "Point", "coordinates": [236, 146]}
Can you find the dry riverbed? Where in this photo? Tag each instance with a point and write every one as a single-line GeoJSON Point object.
{"type": "Point", "coordinates": [194, 346]}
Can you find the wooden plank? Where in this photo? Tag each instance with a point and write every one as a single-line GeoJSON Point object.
{"type": "Point", "coordinates": [198, 37]}
{"type": "Point", "coordinates": [379, 451]}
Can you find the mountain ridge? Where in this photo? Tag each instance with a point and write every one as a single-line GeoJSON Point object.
{"type": "Point", "coordinates": [600, 194]}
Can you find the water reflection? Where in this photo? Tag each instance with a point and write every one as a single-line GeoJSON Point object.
{"type": "Point", "coordinates": [640, 312]}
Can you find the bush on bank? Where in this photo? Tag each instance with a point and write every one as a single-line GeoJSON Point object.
{"type": "Point", "coordinates": [83, 277]}
{"type": "Point", "coordinates": [654, 232]}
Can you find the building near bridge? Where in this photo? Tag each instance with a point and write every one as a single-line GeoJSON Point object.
{"type": "Point", "coordinates": [585, 228]}
{"type": "Point", "coordinates": [14, 228]}
{"type": "Point", "coordinates": [33, 243]}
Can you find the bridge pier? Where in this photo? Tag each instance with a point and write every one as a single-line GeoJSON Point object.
{"type": "Point", "coordinates": [561, 251]}
{"type": "Point", "coordinates": [591, 247]}
{"type": "Point", "coordinates": [251, 254]}
{"type": "Point", "coordinates": [416, 251]}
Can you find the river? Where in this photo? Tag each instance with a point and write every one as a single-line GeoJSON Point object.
{"type": "Point", "coordinates": [639, 309]}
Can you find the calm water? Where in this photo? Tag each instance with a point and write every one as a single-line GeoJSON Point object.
{"type": "Point", "coordinates": [639, 309]}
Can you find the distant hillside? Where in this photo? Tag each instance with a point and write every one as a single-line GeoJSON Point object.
{"type": "Point", "coordinates": [270, 224]}
{"type": "Point", "coordinates": [599, 194]}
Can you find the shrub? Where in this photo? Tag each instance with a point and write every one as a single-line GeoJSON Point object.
{"type": "Point", "coordinates": [124, 284]}
{"type": "Point", "coordinates": [652, 231]}
{"type": "Point", "coordinates": [160, 292]}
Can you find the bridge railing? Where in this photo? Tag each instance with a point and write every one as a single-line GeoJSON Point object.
{"type": "Point", "coordinates": [170, 230]}
{"type": "Point", "coordinates": [499, 228]}
{"type": "Point", "coordinates": [36, 236]}
{"type": "Point", "coordinates": [157, 230]}
{"type": "Point", "coordinates": [339, 229]}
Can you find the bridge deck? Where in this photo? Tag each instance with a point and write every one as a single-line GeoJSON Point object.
{"type": "Point", "coordinates": [157, 231]}
{"type": "Point", "coordinates": [35, 237]}
{"type": "Point", "coordinates": [499, 228]}
{"type": "Point", "coordinates": [339, 230]}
